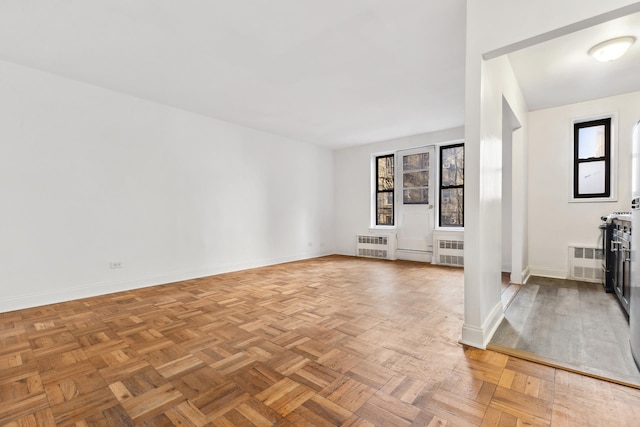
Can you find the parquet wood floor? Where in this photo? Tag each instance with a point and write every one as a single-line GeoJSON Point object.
{"type": "Point", "coordinates": [324, 342]}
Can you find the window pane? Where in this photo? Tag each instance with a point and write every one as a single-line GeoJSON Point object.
{"type": "Point", "coordinates": [591, 142]}
{"type": "Point", "coordinates": [385, 173]}
{"type": "Point", "coordinates": [451, 207]}
{"type": "Point", "coordinates": [385, 209]}
{"type": "Point", "coordinates": [591, 177]}
{"type": "Point", "coordinates": [415, 179]}
{"type": "Point", "coordinates": [415, 196]}
{"type": "Point", "coordinates": [452, 166]}
{"type": "Point", "coordinates": [415, 161]}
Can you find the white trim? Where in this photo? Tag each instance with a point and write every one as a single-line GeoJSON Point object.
{"type": "Point", "coordinates": [493, 322]}
{"type": "Point", "coordinates": [548, 272]}
{"type": "Point", "coordinates": [411, 255]}
{"type": "Point", "coordinates": [346, 253]}
{"type": "Point", "coordinates": [593, 199]}
{"type": "Point", "coordinates": [102, 288]}
{"type": "Point", "coordinates": [382, 229]}
{"type": "Point", "coordinates": [480, 337]}
{"type": "Point", "coordinates": [526, 275]}
{"type": "Point", "coordinates": [472, 336]}
{"type": "Point", "coordinates": [450, 229]}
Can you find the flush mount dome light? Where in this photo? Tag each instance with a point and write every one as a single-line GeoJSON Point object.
{"type": "Point", "coordinates": [611, 50]}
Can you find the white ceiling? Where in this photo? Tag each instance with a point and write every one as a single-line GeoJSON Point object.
{"type": "Point", "coordinates": [331, 72]}
{"type": "Point", "coordinates": [560, 72]}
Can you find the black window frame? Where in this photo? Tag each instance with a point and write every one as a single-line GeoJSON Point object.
{"type": "Point", "coordinates": [606, 158]}
{"type": "Point", "coordinates": [446, 187]}
{"type": "Point", "coordinates": [392, 191]}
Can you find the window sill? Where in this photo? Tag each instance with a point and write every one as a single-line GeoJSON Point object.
{"type": "Point", "coordinates": [439, 228]}
{"type": "Point", "coordinates": [594, 200]}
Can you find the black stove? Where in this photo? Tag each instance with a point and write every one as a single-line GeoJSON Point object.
{"type": "Point", "coordinates": [616, 237]}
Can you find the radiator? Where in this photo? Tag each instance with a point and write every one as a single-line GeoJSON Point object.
{"type": "Point", "coordinates": [448, 252]}
{"type": "Point", "coordinates": [376, 246]}
{"type": "Point", "coordinates": [585, 263]}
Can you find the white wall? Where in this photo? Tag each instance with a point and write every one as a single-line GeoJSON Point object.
{"type": "Point", "coordinates": [91, 176]}
{"type": "Point", "coordinates": [352, 186]}
{"type": "Point", "coordinates": [498, 25]}
{"type": "Point", "coordinates": [484, 199]}
{"type": "Point", "coordinates": [552, 217]}
{"type": "Point", "coordinates": [520, 208]}
{"type": "Point", "coordinates": [514, 197]}
{"type": "Point", "coordinates": [507, 187]}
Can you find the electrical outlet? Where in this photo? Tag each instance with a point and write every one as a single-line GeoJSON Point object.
{"type": "Point", "coordinates": [115, 264]}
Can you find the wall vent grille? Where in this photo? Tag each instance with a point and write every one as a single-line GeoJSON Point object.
{"type": "Point", "coordinates": [449, 252]}
{"type": "Point", "coordinates": [374, 246]}
{"type": "Point", "coordinates": [585, 263]}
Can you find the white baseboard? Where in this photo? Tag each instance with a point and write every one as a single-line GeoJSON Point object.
{"type": "Point", "coordinates": [492, 322]}
{"type": "Point", "coordinates": [408, 255]}
{"type": "Point", "coordinates": [472, 336]}
{"type": "Point", "coordinates": [548, 272]}
{"type": "Point", "coordinates": [526, 274]}
{"type": "Point", "coordinates": [18, 302]}
{"type": "Point", "coordinates": [479, 337]}
{"type": "Point", "coordinates": [346, 252]}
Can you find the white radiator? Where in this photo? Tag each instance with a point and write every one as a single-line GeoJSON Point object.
{"type": "Point", "coordinates": [448, 252]}
{"type": "Point", "coordinates": [585, 263]}
{"type": "Point", "coordinates": [376, 246]}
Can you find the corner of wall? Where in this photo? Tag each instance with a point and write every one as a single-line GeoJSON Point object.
{"type": "Point", "coordinates": [480, 337]}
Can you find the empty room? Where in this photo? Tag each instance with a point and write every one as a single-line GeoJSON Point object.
{"type": "Point", "coordinates": [318, 213]}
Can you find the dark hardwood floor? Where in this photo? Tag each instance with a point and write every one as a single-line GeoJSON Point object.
{"type": "Point", "coordinates": [328, 341]}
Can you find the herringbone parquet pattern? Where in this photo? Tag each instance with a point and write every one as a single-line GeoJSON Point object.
{"type": "Point", "coordinates": [325, 342]}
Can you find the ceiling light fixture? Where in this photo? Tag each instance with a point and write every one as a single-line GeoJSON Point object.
{"type": "Point", "coordinates": [611, 50]}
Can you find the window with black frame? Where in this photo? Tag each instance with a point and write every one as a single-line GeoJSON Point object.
{"type": "Point", "coordinates": [452, 186]}
{"type": "Point", "coordinates": [592, 159]}
{"type": "Point", "coordinates": [384, 189]}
